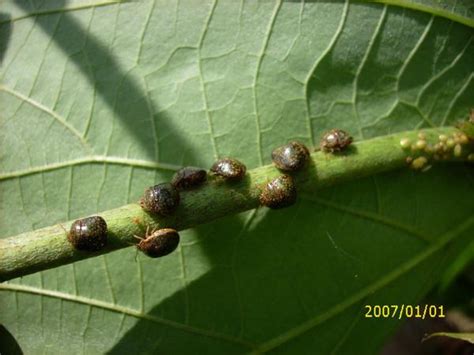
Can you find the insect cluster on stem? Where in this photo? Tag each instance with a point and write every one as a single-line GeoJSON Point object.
{"type": "Point", "coordinates": [163, 199]}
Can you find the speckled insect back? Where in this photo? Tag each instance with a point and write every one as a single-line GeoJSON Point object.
{"type": "Point", "coordinates": [188, 177]}
{"type": "Point", "coordinates": [279, 193]}
{"type": "Point", "coordinates": [229, 169]}
{"type": "Point", "coordinates": [290, 157]}
{"type": "Point", "coordinates": [88, 234]}
{"type": "Point", "coordinates": [335, 140]}
{"type": "Point", "coordinates": [159, 242]}
{"type": "Point", "coordinates": [160, 199]}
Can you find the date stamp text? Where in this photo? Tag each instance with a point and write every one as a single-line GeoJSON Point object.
{"type": "Point", "coordinates": [400, 311]}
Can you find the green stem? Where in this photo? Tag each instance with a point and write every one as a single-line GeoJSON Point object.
{"type": "Point", "coordinates": [48, 247]}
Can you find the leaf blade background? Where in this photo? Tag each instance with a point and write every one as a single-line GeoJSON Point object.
{"type": "Point", "coordinates": [178, 85]}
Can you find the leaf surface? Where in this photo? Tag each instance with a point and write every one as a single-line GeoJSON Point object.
{"type": "Point", "coordinates": [100, 100]}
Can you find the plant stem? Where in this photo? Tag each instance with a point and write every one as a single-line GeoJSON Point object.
{"type": "Point", "coordinates": [48, 247]}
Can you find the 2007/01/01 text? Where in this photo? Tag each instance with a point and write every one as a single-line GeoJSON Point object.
{"type": "Point", "coordinates": [404, 311]}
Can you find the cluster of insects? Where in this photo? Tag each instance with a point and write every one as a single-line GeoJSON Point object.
{"type": "Point", "coordinates": [90, 234]}
{"type": "Point", "coordinates": [446, 147]}
{"type": "Point", "coordinates": [163, 199]}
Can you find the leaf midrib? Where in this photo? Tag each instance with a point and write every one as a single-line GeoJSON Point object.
{"type": "Point", "coordinates": [400, 3]}
{"type": "Point", "coordinates": [429, 9]}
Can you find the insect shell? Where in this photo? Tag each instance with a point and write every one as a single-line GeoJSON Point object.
{"type": "Point", "coordinates": [159, 242]}
{"type": "Point", "coordinates": [229, 169]}
{"type": "Point", "coordinates": [290, 157]}
{"type": "Point", "coordinates": [335, 140]}
{"type": "Point", "coordinates": [89, 234]}
{"type": "Point", "coordinates": [279, 193]}
{"type": "Point", "coordinates": [188, 177]}
{"type": "Point", "coordinates": [161, 199]}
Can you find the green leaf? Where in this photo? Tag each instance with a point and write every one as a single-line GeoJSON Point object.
{"type": "Point", "coordinates": [102, 100]}
{"type": "Point", "coordinates": [461, 336]}
{"type": "Point", "coordinates": [460, 11]}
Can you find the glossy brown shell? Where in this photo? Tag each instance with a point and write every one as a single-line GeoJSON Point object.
{"type": "Point", "coordinates": [89, 234]}
{"type": "Point", "coordinates": [188, 177]}
{"type": "Point", "coordinates": [229, 169]}
{"type": "Point", "coordinates": [160, 199]}
{"type": "Point", "coordinates": [290, 157]}
{"type": "Point", "coordinates": [335, 140]}
{"type": "Point", "coordinates": [279, 193]}
{"type": "Point", "coordinates": [159, 243]}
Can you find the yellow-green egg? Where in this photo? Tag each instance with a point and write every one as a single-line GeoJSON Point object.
{"type": "Point", "coordinates": [405, 143]}
{"type": "Point", "coordinates": [457, 150]}
{"type": "Point", "coordinates": [419, 163]}
{"type": "Point", "coordinates": [443, 138]}
{"type": "Point", "coordinates": [421, 144]}
{"type": "Point", "coordinates": [463, 138]}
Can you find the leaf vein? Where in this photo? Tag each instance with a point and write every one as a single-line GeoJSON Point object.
{"type": "Point", "coordinates": [328, 49]}
{"type": "Point", "coordinates": [123, 310]}
{"type": "Point", "coordinates": [455, 97]}
{"type": "Point", "coordinates": [361, 67]}
{"type": "Point", "coordinates": [201, 79]}
{"type": "Point", "coordinates": [53, 114]}
{"type": "Point", "coordinates": [268, 33]}
{"type": "Point", "coordinates": [94, 159]}
{"type": "Point", "coordinates": [62, 10]}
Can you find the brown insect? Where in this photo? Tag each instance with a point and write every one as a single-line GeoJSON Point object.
{"type": "Point", "coordinates": [88, 234]}
{"type": "Point", "coordinates": [229, 169]}
{"type": "Point", "coordinates": [279, 193]}
{"type": "Point", "coordinates": [335, 140]}
{"type": "Point", "coordinates": [158, 242]}
{"type": "Point", "coordinates": [188, 177]}
{"type": "Point", "coordinates": [290, 157]}
{"type": "Point", "coordinates": [160, 199]}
